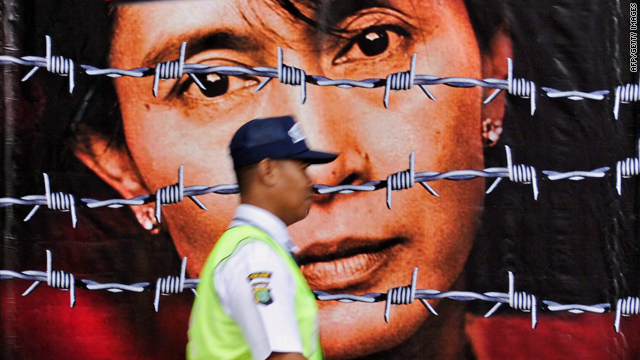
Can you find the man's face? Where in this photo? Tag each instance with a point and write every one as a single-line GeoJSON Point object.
{"type": "Point", "coordinates": [351, 242]}
{"type": "Point", "coordinates": [293, 189]}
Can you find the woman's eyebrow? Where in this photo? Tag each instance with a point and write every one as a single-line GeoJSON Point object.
{"type": "Point", "coordinates": [338, 10]}
{"type": "Point", "coordinates": [198, 41]}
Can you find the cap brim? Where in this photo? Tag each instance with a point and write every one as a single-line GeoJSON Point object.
{"type": "Point", "coordinates": [314, 157]}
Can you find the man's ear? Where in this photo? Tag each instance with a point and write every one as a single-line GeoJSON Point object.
{"type": "Point", "coordinates": [495, 65]}
{"type": "Point", "coordinates": [267, 169]}
{"type": "Point", "coordinates": [114, 165]}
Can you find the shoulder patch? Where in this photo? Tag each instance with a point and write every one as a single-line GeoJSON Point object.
{"type": "Point", "coordinates": [260, 285]}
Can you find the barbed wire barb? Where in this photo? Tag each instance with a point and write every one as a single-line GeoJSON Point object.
{"type": "Point", "coordinates": [519, 301]}
{"type": "Point", "coordinates": [625, 94]}
{"type": "Point", "coordinates": [516, 173]}
{"type": "Point", "coordinates": [55, 278]}
{"type": "Point", "coordinates": [171, 285]}
{"type": "Point", "coordinates": [626, 307]}
{"type": "Point", "coordinates": [172, 194]}
{"type": "Point", "coordinates": [404, 180]}
{"type": "Point", "coordinates": [626, 169]}
{"type": "Point", "coordinates": [286, 75]}
{"type": "Point", "coordinates": [404, 81]}
{"type": "Point", "coordinates": [54, 64]}
{"type": "Point", "coordinates": [54, 201]}
{"type": "Point", "coordinates": [521, 87]}
{"type": "Point", "coordinates": [404, 295]}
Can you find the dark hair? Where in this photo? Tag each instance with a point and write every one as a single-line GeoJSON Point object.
{"type": "Point", "coordinates": [244, 174]}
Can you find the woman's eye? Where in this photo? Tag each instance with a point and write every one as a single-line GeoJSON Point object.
{"type": "Point", "coordinates": [371, 42]}
{"type": "Point", "coordinates": [212, 86]}
{"type": "Point", "coordinates": [374, 42]}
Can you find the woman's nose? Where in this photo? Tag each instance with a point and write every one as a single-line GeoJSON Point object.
{"type": "Point", "coordinates": [332, 128]}
{"type": "Point", "coordinates": [329, 120]}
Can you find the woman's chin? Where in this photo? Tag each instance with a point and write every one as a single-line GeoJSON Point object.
{"type": "Point", "coordinates": [352, 330]}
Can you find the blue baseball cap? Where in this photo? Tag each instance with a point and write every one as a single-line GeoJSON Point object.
{"type": "Point", "coordinates": [273, 138]}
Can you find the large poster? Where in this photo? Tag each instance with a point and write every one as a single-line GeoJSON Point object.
{"type": "Point", "coordinates": [485, 203]}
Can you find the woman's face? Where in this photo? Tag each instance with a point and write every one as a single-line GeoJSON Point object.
{"type": "Point", "coordinates": [351, 243]}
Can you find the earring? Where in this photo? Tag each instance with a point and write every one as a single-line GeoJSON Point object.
{"type": "Point", "coordinates": [491, 131]}
{"type": "Point", "coordinates": [146, 216]}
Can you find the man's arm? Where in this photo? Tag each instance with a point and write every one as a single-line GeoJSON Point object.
{"type": "Point", "coordinates": [257, 291]}
{"type": "Point", "coordinates": [286, 356]}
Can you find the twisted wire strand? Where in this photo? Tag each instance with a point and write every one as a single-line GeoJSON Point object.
{"type": "Point", "coordinates": [625, 94]}
{"type": "Point", "coordinates": [576, 175]}
{"type": "Point", "coordinates": [576, 308]}
{"type": "Point", "coordinates": [114, 287]}
{"type": "Point", "coordinates": [116, 73]}
{"type": "Point", "coordinates": [575, 95]}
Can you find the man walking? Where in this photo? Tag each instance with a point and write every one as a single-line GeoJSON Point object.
{"type": "Point", "coordinates": [254, 302]}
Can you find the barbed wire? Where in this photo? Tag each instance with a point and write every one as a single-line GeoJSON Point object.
{"type": "Point", "coordinates": [289, 75]}
{"type": "Point", "coordinates": [402, 295]}
{"type": "Point", "coordinates": [59, 279]}
{"type": "Point", "coordinates": [403, 180]}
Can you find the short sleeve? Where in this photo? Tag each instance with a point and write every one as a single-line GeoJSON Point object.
{"type": "Point", "coordinates": [256, 289]}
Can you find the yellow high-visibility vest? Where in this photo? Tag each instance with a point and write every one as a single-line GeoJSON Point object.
{"type": "Point", "coordinates": [215, 335]}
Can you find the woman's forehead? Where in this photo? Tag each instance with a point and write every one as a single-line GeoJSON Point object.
{"type": "Point", "coordinates": [157, 22]}
{"type": "Point", "coordinates": [155, 29]}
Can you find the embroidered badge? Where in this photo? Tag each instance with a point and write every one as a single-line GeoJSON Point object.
{"type": "Point", "coordinates": [262, 295]}
{"type": "Point", "coordinates": [260, 285]}
{"type": "Point", "coordinates": [296, 133]}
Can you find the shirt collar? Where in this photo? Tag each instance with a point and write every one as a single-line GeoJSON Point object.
{"type": "Point", "coordinates": [264, 220]}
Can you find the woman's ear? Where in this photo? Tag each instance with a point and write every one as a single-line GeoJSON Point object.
{"type": "Point", "coordinates": [114, 165]}
{"type": "Point", "coordinates": [494, 65]}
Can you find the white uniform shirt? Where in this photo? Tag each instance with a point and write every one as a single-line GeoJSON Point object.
{"type": "Point", "coordinates": [256, 289]}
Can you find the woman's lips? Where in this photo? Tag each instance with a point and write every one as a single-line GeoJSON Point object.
{"type": "Point", "coordinates": [350, 263]}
